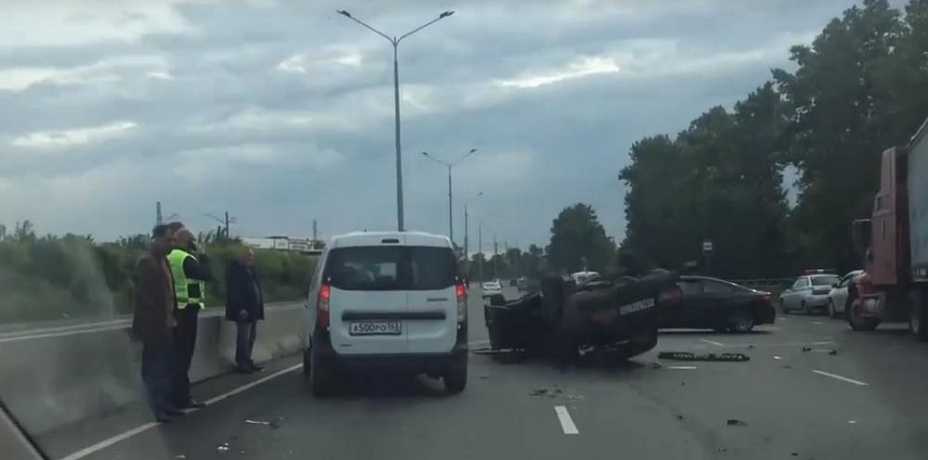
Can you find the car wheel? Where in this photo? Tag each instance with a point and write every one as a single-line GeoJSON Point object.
{"type": "Point", "coordinates": [320, 377]}
{"type": "Point", "coordinates": [456, 376]}
{"type": "Point", "coordinates": [741, 321]}
{"type": "Point", "coordinates": [805, 308]}
{"type": "Point", "coordinates": [783, 308]}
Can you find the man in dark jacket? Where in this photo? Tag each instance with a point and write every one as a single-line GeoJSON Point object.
{"type": "Point", "coordinates": [245, 306]}
{"type": "Point", "coordinates": [190, 270]}
{"type": "Point", "coordinates": [153, 322]}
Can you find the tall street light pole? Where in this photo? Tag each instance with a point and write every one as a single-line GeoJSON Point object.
{"type": "Point", "coordinates": [450, 206]}
{"type": "Point", "coordinates": [396, 102]}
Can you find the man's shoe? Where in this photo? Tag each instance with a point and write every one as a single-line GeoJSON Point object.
{"type": "Point", "coordinates": [256, 368]}
{"type": "Point", "coordinates": [193, 404]}
{"type": "Point", "coordinates": [165, 418]}
{"type": "Point", "coordinates": [174, 412]}
{"type": "Point", "coordinates": [244, 369]}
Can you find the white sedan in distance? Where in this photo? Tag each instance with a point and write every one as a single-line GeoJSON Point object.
{"type": "Point", "coordinates": [492, 288]}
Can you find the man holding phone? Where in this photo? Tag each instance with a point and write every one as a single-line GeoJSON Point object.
{"type": "Point", "coordinates": [191, 270]}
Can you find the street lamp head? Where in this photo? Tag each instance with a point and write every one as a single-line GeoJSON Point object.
{"type": "Point", "coordinates": [425, 153]}
{"type": "Point", "coordinates": [472, 150]}
{"type": "Point", "coordinates": [445, 14]}
{"type": "Point", "coordinates": [343, 13]}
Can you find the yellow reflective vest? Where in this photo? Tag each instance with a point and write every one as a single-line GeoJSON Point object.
{"type": "Point", "coordinates": [187, 291]}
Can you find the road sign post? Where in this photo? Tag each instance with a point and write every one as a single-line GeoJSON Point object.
{"type": "Point", "coordinates": [707, 253]}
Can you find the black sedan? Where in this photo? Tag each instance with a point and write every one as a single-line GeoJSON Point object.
{"type": "Point", "coordinates": [712, 303]}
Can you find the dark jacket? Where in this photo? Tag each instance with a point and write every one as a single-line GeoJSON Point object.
{"type": "Point", "coordinates": [153, 292]}
{"type": "Point", "coordinates": [243, 292]}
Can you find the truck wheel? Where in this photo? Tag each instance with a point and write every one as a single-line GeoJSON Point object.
{"type": "Point", "coordinates": [859, 322]}
{"type": "Point", "coordinates": [918, 316]}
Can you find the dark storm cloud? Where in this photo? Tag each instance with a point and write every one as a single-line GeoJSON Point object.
{"type": "Point", "coordinates": [220, 126]}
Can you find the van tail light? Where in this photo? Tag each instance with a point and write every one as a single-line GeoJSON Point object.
{"type": "Point", "coordinates": [461, 292]}
{"type": "Point", "coordinates": [322, 306]}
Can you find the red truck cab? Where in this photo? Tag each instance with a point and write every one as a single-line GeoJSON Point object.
{"type": "Point", "coordinates": [893, 286]}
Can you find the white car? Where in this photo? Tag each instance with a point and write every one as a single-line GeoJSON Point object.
{"type": "Point", "coordinates": [808, 292]}
{"type": "Point", "coordinates": [492, 288]}
{"type": "Point", "coordinates": [386, 301]}
{"type": "Point", "coordinates": [837, 298]}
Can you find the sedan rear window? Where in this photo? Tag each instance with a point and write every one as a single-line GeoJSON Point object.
{"type": "Point", "coordinates": [825, 280]}
{"type": "Point", "coordinates": [391, 268]}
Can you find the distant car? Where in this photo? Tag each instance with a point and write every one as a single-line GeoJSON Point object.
{"type": "Point", "coordinates": [808, 293]}
{"type": "Point", "coordinates": [386, 301]}
{"type": "Point", "coordinates": [837, 297]}
{"type": "Point", "coordinates": [712, 303]}
{"type": "Point", "coordinates": [582, 277]}
{"type": "Point", "coordinates": [492, 288]}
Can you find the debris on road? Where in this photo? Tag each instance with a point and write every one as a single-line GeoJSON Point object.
{"type": "Point", "coordinates": [805, 349]}
{"type": "Point", "coordinates": [688, 356]}
{"type": "Point", "coordinates": [223, 448]}
{"type": "Point", "coordinates": [833, 352]}
{"type": "Point", "coordinates": [736, 422]}
{"type": "Point", "coordinates": [539, 392]}
{"type": "Point", "coordinates": [656, 365]}
{"type": "Point", "coordinates": [777, 358]}
{"type": "Point", "coordinates": [787, 366]}
{"type": "Point", "coordinates": [273, 423]}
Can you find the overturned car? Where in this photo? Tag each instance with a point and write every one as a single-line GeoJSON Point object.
{"type": "Point", "coordinates": [564, 318]}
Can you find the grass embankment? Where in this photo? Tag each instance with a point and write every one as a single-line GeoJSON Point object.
{"type": "Point", "coordinates": [49, 278]}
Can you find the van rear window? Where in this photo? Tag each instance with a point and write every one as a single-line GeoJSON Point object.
{"type": "Point", "coordinates": [391, 268]}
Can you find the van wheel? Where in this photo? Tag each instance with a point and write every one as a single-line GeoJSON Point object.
{"type": "Point", "coordinates": [320, 377]}
{"type": "Point", "coordinates": [456, 376]}
{"type": "Point", "coordinates": [858, 321]}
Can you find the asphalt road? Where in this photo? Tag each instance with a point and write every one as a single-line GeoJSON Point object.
{"type": "Point", "coordinates": [863, 402]}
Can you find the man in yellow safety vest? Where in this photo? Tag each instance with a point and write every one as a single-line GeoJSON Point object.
{"type": "Point", "coordinates": [191, 270]}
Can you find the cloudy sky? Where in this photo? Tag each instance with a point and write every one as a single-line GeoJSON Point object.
{"type": "Point", "coordinates": [281, 112]}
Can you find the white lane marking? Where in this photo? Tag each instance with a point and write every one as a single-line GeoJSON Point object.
{"type": "Point", "coordinates": [824, 342]}
{"type": "Point", "coordinates": [247, 386]}
{"type": "Point", "coordinates": [817, 323]}
{"type": "Point", "coordinates": [141, 428]}
{"type": "Point", "coordinates": [109, 442]}
{"type": "Point", "coordinates": [777, 358]}
{"type": "Point", "coordinates": [839, 377]}
{"type": "Point", "coordinates": [567, 423]}
{"type": "Point", "coordinates": [681, 367]}
{"type": "Point", "coordinates": [63, 331]}
{"type": "Point", "coordinates": [62, 334]}
{"type": "Point", "coordinates": [712, 342]}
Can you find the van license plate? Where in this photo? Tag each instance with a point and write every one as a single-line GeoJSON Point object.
{"type": "Point", "coordinates": [375, 328]}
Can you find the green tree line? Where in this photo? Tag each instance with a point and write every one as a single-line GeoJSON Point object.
{"type": "Point", "coordinates": [71, 276]}
{"type": "Point", "coordinates": [858, 89]}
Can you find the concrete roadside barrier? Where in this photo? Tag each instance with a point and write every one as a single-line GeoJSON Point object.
{"type": "Point", "coordinates": [51, 380]}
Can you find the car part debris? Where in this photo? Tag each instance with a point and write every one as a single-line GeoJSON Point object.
{"type": "Point", "coordinates": [804, 349]}
{"type": "Point", "coordinates": [688, 356]}
{"type": "Point", "coordinates": [736, 422]}
{"type": "Point", "coordinates": [833, 352]}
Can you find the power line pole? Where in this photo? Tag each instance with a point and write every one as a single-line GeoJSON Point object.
{"type": "Point", "coordinates": [495, 259]}
{"type": "Point", "coordinates": [315, 233]}
{"type": "Point", "coordinates": [158, 218]}
{"type": "Point", "coordinates": [480, 250]}
{"type": "Point", "coordinates": [466, 245]}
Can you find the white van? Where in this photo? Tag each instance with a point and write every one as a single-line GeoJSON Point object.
{"type": "Point", "coordinates": [389, 302]}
